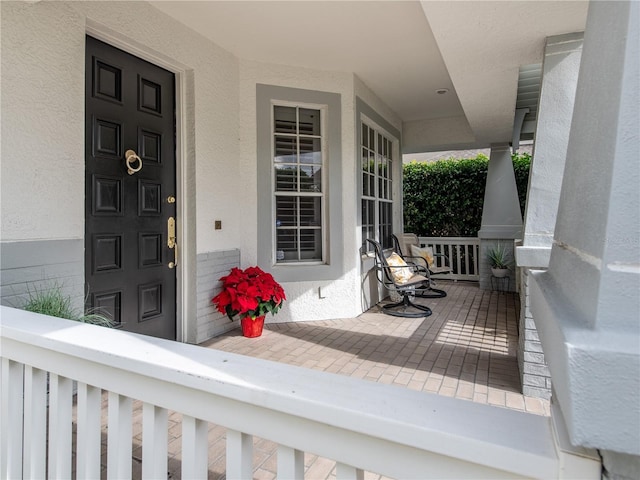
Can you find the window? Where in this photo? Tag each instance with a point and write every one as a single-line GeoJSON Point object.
{"type": "Point", "coordinates": [302, 182]}
{"type": "Point", "coordinates": [298, 186]}
{"type": "Point", "coordinates": [377, 182]}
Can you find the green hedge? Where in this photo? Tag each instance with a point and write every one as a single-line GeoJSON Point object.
{"type": "Point", "coordinates": [444, 198]}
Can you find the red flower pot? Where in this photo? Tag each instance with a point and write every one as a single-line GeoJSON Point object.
{"type": "Point", "coordinates": [252, 328]}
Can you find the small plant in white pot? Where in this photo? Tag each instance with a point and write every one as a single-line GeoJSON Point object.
{"type": "Point", "coordinates": [499, 257]}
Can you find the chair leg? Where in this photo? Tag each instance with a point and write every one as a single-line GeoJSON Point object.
{"type": "Point", "coordinates": [403, 309]}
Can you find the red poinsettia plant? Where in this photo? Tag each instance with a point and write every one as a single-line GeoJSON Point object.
{"type": "Point", "coordinates": [249, 293]}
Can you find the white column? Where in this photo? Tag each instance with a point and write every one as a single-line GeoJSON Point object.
{"type": "Point", "coordinates": [501, 216]}
{"type": "Point", "coordinates": [586, 305]}
{"type": "Point", "coordinates": [555, 112]}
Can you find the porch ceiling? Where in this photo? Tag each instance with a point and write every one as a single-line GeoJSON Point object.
{"type": "Point", "coordinates": [403, 50]}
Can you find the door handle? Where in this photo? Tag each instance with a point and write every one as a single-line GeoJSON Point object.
{"type": "Point", "coordinates": [132, 157]}
{"type": "Point", "coordinates": [171, 241]}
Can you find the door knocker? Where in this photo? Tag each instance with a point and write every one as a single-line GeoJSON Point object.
{"type": "Point", "coordinates": [131, 157]}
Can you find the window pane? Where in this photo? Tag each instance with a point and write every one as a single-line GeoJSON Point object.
{"type": "Point", "coordinates": [284, 119]}
{"type": "Point", "coordinates": [286, 245]}
{"type": "Point", "coordinates": [310, 150]}
{"type": "Point", "coordinates": [310, 211]}
{"type": "Point", "coordinates": [286, 211]}
{"type": "Point", "coordinates": [385, 224]}
{"type": "Point", "coordinates": [309, 122]}
{"type": "Point", "coordinates": [365, 135]}
{"type": "Point", "coordinates": [310, 244]}
{"type": "Point", "coordinates": [286, 149]}
{"type": "Point", "coordinates": [310, 179]}
{"type": "Point", "coordinates": [286, 178]}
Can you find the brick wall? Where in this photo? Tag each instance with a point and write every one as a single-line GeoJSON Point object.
{"type": "Point", "coordinates": [534, 373]}
{"type": "Point", "coordinates": [212, 266]}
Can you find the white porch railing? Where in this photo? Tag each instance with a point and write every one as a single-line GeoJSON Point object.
{"type": "Point", "coordinates": [463, 254]}
{"type": "Point", "coordinates": [362, 425]}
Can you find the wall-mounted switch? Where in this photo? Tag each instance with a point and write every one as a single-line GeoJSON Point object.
{"type": "Point", "coordinates": [218, 224]}
{"type": "Point", "coordinates": [321, 293]}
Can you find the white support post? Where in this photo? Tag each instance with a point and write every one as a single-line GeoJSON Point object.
{"type": "Point", "coordinates": [347, 472]}
{"type": "Point", "coordinates": [239, 455]}
{"type": "Point", "coordinates": [89, 435]}
{"type": "Point", "coordinates": [35, 423]}
{"type": "Point", "coordinates": [60, 426]}
{"type": "Point", "coordinates": [119, 439]}
{"type": "Point", "coordinates": [194, 447]}
{"type": "Point", "coordinates": [290, 463]}
{"type": "Point", "coordinates": [11, 424]}
{"type": "Point", "coordinates": [154, 441]}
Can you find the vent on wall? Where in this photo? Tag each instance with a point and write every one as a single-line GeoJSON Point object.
{"type": "Point", "coordinates": [529, 80]}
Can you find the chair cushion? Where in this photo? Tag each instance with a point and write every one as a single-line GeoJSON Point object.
{"type": "Point", "coordinates": [423, 252]}
{"type": "Point", "coordinates": [399, 269]}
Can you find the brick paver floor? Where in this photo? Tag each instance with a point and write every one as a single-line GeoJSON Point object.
{"type": "Point", "coordinates": [465, 349]}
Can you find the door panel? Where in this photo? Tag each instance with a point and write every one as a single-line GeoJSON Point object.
{"type": "Point", "coordinates": [129, 106]}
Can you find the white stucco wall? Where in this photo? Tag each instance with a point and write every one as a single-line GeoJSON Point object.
{"type": "Point", "coordinates": [43, 114]}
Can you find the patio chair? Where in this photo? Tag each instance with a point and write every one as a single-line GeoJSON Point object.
{"type": "Point", "coordinates": [403, 279]}
{"type": "Point", "coordinates": [424, 258]}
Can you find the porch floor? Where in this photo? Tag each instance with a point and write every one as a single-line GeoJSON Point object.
{"type": "Point", "coordinates": [465, 349]}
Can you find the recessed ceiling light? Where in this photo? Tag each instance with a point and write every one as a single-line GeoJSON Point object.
{"type": "Point", "coordinates": [442, 91]}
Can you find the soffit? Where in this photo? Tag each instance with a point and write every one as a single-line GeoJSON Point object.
{"type": "Point", "coordinates": [387, 44]}
{"type": "Point", "coordinates": [403, 50]}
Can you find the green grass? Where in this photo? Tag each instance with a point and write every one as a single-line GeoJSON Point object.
{"type": "Point", "coordinates": [54, 303]}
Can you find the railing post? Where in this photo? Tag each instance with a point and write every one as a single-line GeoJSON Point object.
{"type": "Point", "coordinates": [154, 441]}
{"type": "Point", "coordinates": [60, 426]}
{"type": "Point", "coordinates": [11, 435]}
{"type": "Point", "coordinates": [239, 455]}
{"type": "Point", "coordinates": [88, 426]}
{"type": "Point", "coordinates": [194, 447]}
{"type": "Point", "coordinates": [119, 437]}
{"type": "Point", "coordinates": [290, 463]}
{"type": "Point", "coordinates": [35, 423]}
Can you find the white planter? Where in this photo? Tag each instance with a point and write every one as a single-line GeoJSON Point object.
{"type": "Point", "coordinates": [499, 272]}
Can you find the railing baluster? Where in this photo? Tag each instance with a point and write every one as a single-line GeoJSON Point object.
{"type": "Point", "coordinates": [154, 441]}
{"type": "Point", "coordinates": [290, 463]}
{"type": "Point", "coordinates": [194, 447]}
{"type": "Point", "coordinates": [239, 455]}
{"type": "Point", "coordinates": [11, 424]}
{"type": "Point", "coordinates": [60, 426]}
{"type": "Point", "coordinates": [35, 423]}
{"type": "Point", "coordinates": [88, 425]}
{"type": "Point", "coordinates": [347, 472]}
{"type": "Point", "coordinates": [119, 437]}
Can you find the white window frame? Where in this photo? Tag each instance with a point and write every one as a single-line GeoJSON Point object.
{"type": "Point", "coordinates": [324, 186]}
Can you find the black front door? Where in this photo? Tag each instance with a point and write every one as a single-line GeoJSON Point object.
{"type": "Point", "coordinates": [130, 186]}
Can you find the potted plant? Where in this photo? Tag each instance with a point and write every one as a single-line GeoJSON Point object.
{"type": "Point", "coordinates": [249, 294]}
{"type": "Point", "coordinates": [500, 260]}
